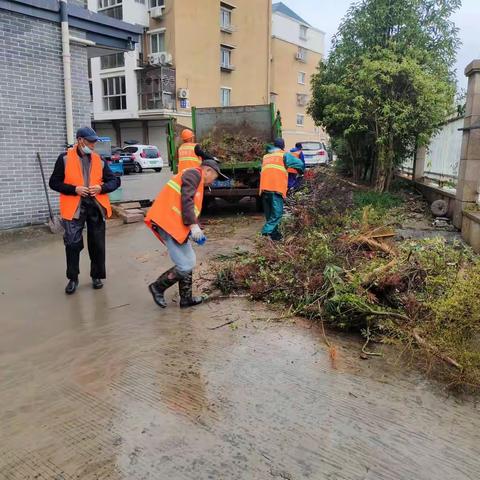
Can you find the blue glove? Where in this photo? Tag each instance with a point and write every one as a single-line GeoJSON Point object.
{"type": "Point", "coordinates": [197, 235]}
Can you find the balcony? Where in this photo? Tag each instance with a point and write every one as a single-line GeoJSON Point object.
{"type": "Point", "coordinates": [156, 89]}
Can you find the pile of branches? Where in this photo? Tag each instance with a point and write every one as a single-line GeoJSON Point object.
{"type": "Point", "coordinates": [341, 263]}
{"type": "Point", "coordinates": [234, 148]}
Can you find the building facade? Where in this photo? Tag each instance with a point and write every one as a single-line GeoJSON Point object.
{"type": "Point", "coordinates": [205, 53]}
{"type": "Point", "coordinates": [32, 95]}
{"type": "Point", "coordinates": [297, 49]}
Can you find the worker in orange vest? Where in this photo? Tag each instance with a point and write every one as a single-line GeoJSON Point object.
{"type": "Point", "coordinates": [173, 218]}
{"type": "Point", "coordinates": [274, 185]}
{"type": "Point", "coordinates": [84, 180]}
{"type": "Point", "coordinates": [190, 154]}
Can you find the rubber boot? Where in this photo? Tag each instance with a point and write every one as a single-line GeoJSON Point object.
{"type": "Point", "coordinates": [164, 281]}
{"type": "Point", "coordinates": [185, 289]}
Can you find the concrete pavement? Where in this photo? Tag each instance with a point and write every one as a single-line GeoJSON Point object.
{"type": "Point", "coordinates": [105, 385]}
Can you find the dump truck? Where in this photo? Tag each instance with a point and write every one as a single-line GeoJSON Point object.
{"type": "Point", "coordinates": [260, 121]}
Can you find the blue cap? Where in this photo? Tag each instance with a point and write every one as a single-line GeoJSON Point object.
{"type": "Point", "coordinates": [88, 133]}
{"type": "Point", "coordinates": [279, 143]}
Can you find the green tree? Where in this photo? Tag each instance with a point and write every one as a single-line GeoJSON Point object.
{"type": "Point", "coordinates": [388, 82]}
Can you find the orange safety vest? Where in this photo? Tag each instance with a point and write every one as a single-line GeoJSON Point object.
{"type": "Point", "coordinates": [74, 176]}
{"type": "Point", "coordinates": [274, 176]}
{"type": "Point", "coordinates": [292, 170]}
{"type": "Point", "coordinates": [166, 211]}
{"type": "Point", "coordinates": [187, 157]}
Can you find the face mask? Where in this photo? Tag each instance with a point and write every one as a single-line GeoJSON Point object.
{"type": "Point", "coordinates": [87, 150]}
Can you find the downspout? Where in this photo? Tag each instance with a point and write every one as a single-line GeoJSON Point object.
{"type": "Point", "coordinates": [67, 71]}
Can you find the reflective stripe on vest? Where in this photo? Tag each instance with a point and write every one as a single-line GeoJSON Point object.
{"type": "Point", "coordinates": [187, 157]}
{"type": "Point", "coordinates": [74, 176]}
{"type": "Point", "coordinates": [274, 176]}
{"type": "Point", "coordinates": [166, 211]}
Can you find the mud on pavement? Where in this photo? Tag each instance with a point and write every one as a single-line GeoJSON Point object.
{"type": "Point", "coordinates": [104, 385]}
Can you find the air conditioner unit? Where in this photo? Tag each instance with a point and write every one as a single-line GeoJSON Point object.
{"type": "Point", "coordinates": [160, 58]}
{"type": "Point", "coordinates": [156, 12]}
{"type": "Point", "coordinates": [300, 56]}
{"type": "Point", "coordinates": [182, 93]}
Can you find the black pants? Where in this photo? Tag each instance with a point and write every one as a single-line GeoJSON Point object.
{"type": "Point", "coordinates": [73, 238]}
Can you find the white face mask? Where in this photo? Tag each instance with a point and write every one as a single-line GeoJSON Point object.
{"type": "Point", "coordinates": [87, 150]}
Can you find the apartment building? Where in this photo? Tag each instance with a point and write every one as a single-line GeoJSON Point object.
{"type": "Point", "coordinates": [193, 53]}
{"type": "Point", "coordinates": [297, 49]}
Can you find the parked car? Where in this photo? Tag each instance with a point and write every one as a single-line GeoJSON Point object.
{"type": "Point", "coordinates": [315, 153]}
{"type": "Point", "coordinates": [145, 157]}
{"type": "Point", "coordinates": [126, 159]}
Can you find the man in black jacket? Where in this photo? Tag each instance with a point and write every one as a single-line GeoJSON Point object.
{"type": "Point", "coordinates": [92, 207]}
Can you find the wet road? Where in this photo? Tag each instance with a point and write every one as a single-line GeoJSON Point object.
{"type": "Point", "coordinates": [104, 385]}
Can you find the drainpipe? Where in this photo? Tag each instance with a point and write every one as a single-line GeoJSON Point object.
{"type": "Point", "coordinates": [67, 71]}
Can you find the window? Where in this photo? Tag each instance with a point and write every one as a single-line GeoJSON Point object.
{"type": "Point", "coordinates": [300, 120]}
{"type": "Point", "coordinates": [302, 54]}
{"type": "Point", "coordinates": [157, 3]}
{"type": "Point", "coordinates": [225, 57]}
{"type": "Point", "coordinates": [301, 77]}
{"type": "Point", "coordinates": [157, 42]}
{"type": "Point", "coordinates": [115, 60]}
{"type": "Point", "coordinates": [112, 8]}
{"type": "Point", "coordinates": [303, 32]}
{"type": "Point", "coordinates": [302, 99]}
{"type": "Point", "coordinates": [140, 1]}
{"type": "Point", "coordinates": [225, 96]}
{"type": "Point", "coordinates": [114, 93]}
{"type": "Point", "coordinates": [225, 18]}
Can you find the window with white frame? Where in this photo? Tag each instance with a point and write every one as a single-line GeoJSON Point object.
{"type": "Point", "coordinates": [225, 57]}
{"type": "Point", "coordinates": [301, 78]}
{"type": "Point", "coordinates": [302, 54]}
{"type": "Point", "coordinates": [225, 95]}
{"type": "Point", "coordinates": [302, 99]}
{"type": "Point", "coordinates": [157, 3]}
{"type": "Point", "coordinates": [112, 8]}
{"type": "Point", "coordinates": [157, 42]}
{"type": "Point", "coordinates": [225, 18]}
{"type": "Point", "coordinates": [114, 93]}
{"type": "Point", "coordinates": [115, 60]}
{"type": "Point", "coordinates": [300, 120]}
{"type": "Point", "coordinates": [303, 32]}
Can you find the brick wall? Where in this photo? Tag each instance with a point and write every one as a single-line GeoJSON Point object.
{"type": "Point", "coordinates": [33, 113]}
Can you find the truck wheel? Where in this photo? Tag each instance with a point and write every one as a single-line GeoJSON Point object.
{"type": "Point", "coordinates": [259, 204]}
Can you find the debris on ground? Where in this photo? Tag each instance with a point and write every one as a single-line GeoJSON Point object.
{"type": "Point", "coordinates": [131, 212]}
{"type": "Point", "coordinates": [234, 148]}
{"type": "Point", "coordinates": [342, 262]}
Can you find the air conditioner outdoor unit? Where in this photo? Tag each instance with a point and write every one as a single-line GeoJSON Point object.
{"type": "Point", "coordinates": [183, 93]}
{"type": "Point", "coordinates": [300, 56]}
{"type": "Point", "coordinates": [156, 12]}
{"type": "Point", "coordinates": [160, 58]}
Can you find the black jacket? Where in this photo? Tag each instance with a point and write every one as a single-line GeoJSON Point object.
{"type": "Point", "coordinates": [57, 179]}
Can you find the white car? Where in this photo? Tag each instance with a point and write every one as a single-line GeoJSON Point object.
{"type": "Point", "coordinates": [145, 157]}
{"type": "Point", "coordinates": [315, 153]}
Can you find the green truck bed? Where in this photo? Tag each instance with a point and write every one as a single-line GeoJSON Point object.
{"type": "Point", "coordinates": [260, 121]}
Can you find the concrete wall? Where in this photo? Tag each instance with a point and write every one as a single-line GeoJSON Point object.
{"type": "Point", "coordinates": [33, 112]}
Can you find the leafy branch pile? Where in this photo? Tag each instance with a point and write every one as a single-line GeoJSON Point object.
{"type": "Point", "coordinates": [341, 263]}
{"type": "Point", "coordinates": [234, 148]}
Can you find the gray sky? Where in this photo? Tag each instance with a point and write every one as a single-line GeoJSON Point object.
{"type": "Point", "coordinates": [326, 15]}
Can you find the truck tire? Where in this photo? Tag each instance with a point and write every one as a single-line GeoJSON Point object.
{"type": "Point", "coordinates": [259, 204]}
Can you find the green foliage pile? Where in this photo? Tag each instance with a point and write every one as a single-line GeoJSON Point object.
{"type": "Point", "coordinates": [388, 83]}
{"type": "Point", "coordinates": [419, 293]}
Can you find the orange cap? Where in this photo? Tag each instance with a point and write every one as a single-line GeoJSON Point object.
{"type": "Point", "coordinates": [187, 135]}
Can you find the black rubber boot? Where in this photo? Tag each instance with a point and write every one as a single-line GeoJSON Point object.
{"type": "Point", "coordinates": [164, 281]}
{"type": "Point", "coordinates": [185, 289]}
